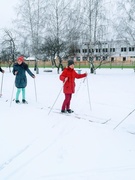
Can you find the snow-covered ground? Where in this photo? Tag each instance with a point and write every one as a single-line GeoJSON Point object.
{"type": "Point", "coordinates": [39, 143]}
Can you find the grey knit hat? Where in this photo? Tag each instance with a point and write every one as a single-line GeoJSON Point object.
{"type": "Point", "coordinates": [70, 62]}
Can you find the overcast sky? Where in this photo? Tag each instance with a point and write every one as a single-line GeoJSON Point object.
{"type": "Point", "coordinates": [7, 12]}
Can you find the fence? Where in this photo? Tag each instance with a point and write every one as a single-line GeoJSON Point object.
{"type": "Point", "coordinates": [81, 64]}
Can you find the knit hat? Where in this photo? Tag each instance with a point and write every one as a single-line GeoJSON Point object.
{"type": "Point", "coordinates": [20, 58]}
{"type": "Point", "coordinates": [70, 62]}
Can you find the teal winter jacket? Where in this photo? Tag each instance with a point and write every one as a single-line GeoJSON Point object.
{"type": "Point", "coordinates": [21, 79]}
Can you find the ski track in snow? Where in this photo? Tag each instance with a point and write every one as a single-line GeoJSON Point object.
{"type": "Point", "coordinates": [6, 163]}
{"type": "Point", "coordinates": [64, 130]}
{"type": "Point", "coordinates": [57, 128]}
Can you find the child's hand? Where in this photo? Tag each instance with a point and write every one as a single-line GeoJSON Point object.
{"type": "Point", "coordinates": [65, 79]}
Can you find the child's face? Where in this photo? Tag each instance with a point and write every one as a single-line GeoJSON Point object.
{"type": "Point", "coordinates": [72, 66]}
{"type": "Point", "coordinates": [19, 62]}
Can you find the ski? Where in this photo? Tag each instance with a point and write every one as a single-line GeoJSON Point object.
{"type": "Point", "coordinates": [86, 116]}
{"type": "Point", "coordinates": [90, 118]}
{"type": "Point", "coordinates": [83, 117]}
{"type": "Point", "coordinates": [3, 99]}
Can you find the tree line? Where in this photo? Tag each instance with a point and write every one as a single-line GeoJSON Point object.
{"type": "Point", "coordinates": [46, 29]}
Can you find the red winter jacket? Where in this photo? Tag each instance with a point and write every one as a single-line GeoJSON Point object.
{"type": "Point", "coordinates": [69, 86]}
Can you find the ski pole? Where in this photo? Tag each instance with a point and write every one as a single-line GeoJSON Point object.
{"type": "Point", "coordinates": [35, 89]}
{"type": "Point", "coordinates": [85, 77]}
{"type": "Point", "coordinates": [12, 94]}
{"type": "Point", "coordinates": [55, 101]}
{"type": "Point", "coordinates": [1, 85]}
{"type": "Point", "coordinates": [56, 98]}
{"type": "Point", "coordinates": [88, 93]}
{"type": "Point", "coordinates": [124, 119]}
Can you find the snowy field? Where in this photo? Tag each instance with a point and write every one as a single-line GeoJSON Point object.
{"type": "Point", "coordinates": [39, 143]}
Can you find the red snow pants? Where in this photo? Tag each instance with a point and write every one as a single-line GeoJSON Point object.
{"type": "Point", "coordinates": [66, 102]}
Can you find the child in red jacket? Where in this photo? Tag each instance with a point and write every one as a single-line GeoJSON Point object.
{"type": "Point", "coordinates": [68, 77]}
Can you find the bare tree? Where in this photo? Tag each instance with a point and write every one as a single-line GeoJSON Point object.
{"type": "Point", "coordinates": [125, 20]}
{"type": "Point", "coordinates": [74, 30]}
{"type": "Point", "coordinates": [58, 14]}
{"type": "Point", "coordinates": [30, 23]}
{"type": "Point", "coordinates": [8, 48]}
{"type": "Point", "coordinates": [95, 27]}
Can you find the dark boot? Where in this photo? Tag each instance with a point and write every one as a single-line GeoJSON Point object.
{"type": "Point", "coordinates": [17, 101]}
{"type": "Point", "coordinates": [24, 101]}
{"type": "Point", "coordinates": [70, 111]}
{"type": "Point", "coordinates": [63, 111]}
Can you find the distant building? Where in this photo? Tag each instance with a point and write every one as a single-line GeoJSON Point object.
{"type": "Point", "coordinates": [118, 50]}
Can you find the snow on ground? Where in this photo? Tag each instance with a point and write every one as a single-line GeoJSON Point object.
{"type": "Point", "coordinates": [39, 143]}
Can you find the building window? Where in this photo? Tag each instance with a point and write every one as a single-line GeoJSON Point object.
{"type": "Point", "coordinates": [112, 49]}
{"type": "Point", "coordinates": [112, 59]}
{"type": "Point", "coordinates": [84, 58]}
{"type": "Point", "coordinates": [124, 58]}
{"type": "Point", "coordinates": [84, 50]}
{"type": "Point", "coordinates": [105, 50]}
{"type": "Point", "coordinates": [91, 50]}
{"type": "Point", "coordinates": [78, 58]}
{"type": "Point", "coordinates": [78, 51]}
{"type": "Point", "coordinates": [123, 49]}
{"type": "Point", "coordinates": [96, 58]}
{"type": "Point", "coordinates": [131, 49]}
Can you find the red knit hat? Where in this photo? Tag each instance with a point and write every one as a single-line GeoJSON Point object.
{"type": "Point", "coordinates": [20, 58]}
